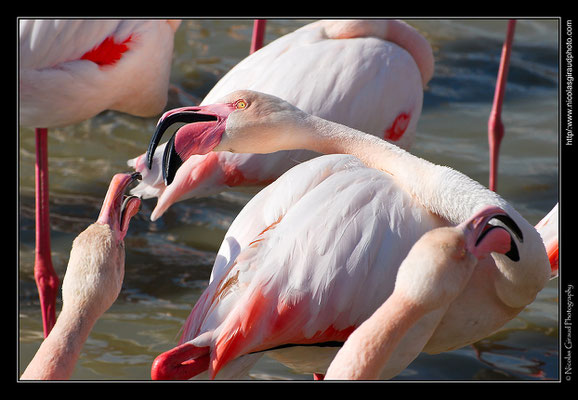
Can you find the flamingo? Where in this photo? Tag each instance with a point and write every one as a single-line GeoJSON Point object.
{"type": "Point", "coordinates": [90, 286]}
{"type": "Point", "coordinates": [323, 68]}
{"type": "Point", "coordinates": [71, 70]}
{"type": "Point", "coordinates": [433, 274]}
{"type": "Point", "coordinates": [314, 254]}
{"type": "Point", "coordinates": [495, 124]}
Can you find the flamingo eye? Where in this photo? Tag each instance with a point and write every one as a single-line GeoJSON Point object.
{"type": "Point", "coordinates": [241, 104]}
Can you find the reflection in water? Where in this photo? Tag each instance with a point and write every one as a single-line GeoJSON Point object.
{"type": "Point", "coordinates": [168, 262]}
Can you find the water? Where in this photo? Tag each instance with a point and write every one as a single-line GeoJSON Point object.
{"type": "Point", "coordinates": [168, 262]}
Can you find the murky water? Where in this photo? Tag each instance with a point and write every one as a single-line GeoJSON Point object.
{"type": "Point", "coordinates": [168, 262]}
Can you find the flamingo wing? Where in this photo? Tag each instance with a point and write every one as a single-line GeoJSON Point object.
{"type": "Point", "coordinates": [306, 261]}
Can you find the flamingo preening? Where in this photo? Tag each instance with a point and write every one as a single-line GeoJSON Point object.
{"type": "Point", "coordinates": [91, 284]}
{"type": "Point", "coordinates": [367, 74]}
{"type": "Point", "coordinates": [434, 273]}
{"type": "Point", "coordinates": [315, 253]}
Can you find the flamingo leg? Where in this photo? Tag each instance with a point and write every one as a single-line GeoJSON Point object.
{"type": "Point", "coordinates": [258, 35]}
{"type": "Point", "coordinates": [495, 125]}
{"type": "Point", "coordinates": [46, 279]}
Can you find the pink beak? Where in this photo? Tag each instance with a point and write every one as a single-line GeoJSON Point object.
{"type": "Point", "coordinates": [483, 238]}
{"type": "Point", "coordinates": [202, 132]}
{"type": "Point", "coordinates": [117, 209]}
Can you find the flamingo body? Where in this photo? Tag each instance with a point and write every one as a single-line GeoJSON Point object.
{"type": "Point", "coordinates": [319, 294]}
{"type": "Point", "coordinates": [340, 196]}
{"type": "Point", "coordinates": [71, 70]}
{"type": "Point", "coordinates": [368, 75]}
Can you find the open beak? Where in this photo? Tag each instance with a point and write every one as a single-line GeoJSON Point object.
{"type": "Point", "coordinates": [483, 237]}
{"type": "Point", "coordinates": [202, 132]}
{"type": "Point", "coordinates": [117, 208]}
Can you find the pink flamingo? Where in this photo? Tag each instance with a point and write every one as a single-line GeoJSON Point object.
{"type": "Point", "coordinates": [91, 284]}
{"type": "Point", "coordinates": [314, 254]}
{"type": "Point", "coordinates": [495, 125]}
{"type": "Point", "coordinates": [323, 68]}
{"type": "Point", "coordinates": [368, 348]}
{"type": "Point", "coordinates": [70, 70]}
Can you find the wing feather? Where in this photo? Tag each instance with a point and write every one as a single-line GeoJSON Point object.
{"type": "Point", "coordinates": [308, 263]}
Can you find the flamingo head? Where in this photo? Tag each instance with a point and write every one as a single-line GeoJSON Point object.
{"type": "Point", "coordinates": [241, 122]}
{"type": "Point", "coordinates": [440, 264]}
{"type": "Point", "coordinates": [483, 237]}
{"type": "Point", "coordinates": [95, 269]}
{"type": "Point", "coordinates": [117, 209]}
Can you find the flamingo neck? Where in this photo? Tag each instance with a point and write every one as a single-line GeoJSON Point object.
{"type": "Point", "coordinates": [445, 193]}
{"type": "Point", "coordinates": [369, 347]}
{"type": "Point", "coordinates": [441, 190]}
{"type": "Point", "coordinates": [59, 352]}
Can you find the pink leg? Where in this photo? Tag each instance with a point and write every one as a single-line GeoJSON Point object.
{"type": "Point", "coordinates": [46, 278]}
{"type": "Point", "coordinates": [495, 126]}
{"type": "Point", "coordinates": [258, 35]}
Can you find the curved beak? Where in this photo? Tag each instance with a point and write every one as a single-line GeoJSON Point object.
{"type": "Point", "coordinates": [202, 132]}
{"type": "Point", "coordinates": [117, 209]}
{"type": "Point", "coordinates": [180, 363]}
{"type": "Point", "coordinates": [483, 238]}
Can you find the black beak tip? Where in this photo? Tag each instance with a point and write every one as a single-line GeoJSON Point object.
{"type": "Point", "coordinates": [171, 162]}
{"type": "Point", "coordinates": [162, 126]}
{"type": "Point", "coordinates": [513, 253]}
{"type": "Point", "coordinates": [151, 152]}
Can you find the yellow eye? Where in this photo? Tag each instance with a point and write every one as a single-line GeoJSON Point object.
{"type": "Point", "coordinates": [240, 104]}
